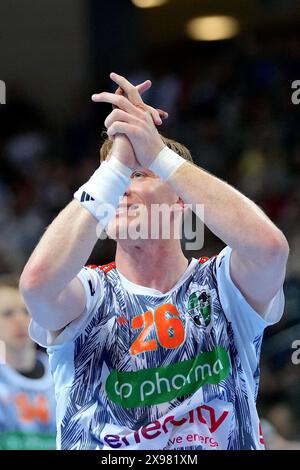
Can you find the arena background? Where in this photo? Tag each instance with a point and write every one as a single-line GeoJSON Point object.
{"type": "Point", "coordinates": [230, 101]}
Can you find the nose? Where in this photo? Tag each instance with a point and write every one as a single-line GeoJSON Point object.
{"type": "Point", "coordinates": [127, 192]}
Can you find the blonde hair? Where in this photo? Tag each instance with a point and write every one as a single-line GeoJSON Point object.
{"type": "Point", "coordinates": [180, 149]}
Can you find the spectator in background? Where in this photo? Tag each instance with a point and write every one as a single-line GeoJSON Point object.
{"type": "Point", "coordinates": [27, 402]}
{"type": "Point", "coordinates": [273, 439]}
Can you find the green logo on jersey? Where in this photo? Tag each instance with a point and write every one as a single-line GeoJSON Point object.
{"type": "Point", "coordinates": [199, 307]}
{"type": "Point", "coordinates": [163, 384]}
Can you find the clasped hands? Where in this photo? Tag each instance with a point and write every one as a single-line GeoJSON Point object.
{"type": "Point", "coordinates": [132, 123]}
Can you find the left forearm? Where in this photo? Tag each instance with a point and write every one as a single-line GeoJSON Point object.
{"type": "Point", "coordinates": [230, 215]}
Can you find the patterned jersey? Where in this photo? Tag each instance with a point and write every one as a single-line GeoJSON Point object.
{"type": "Point", "coordinates": [146, 370]}
{"type": "Point", "coordinates": [27, 409]}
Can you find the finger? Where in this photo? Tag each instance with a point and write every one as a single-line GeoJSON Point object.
{"type": "Point", "coordinates": [128, 88]}
{"type": "Point", "coordinates": [153, 112]}
{"type": "Point", "coordinates": [142, 87]}
{"type": "Point", "coordinates": [157, 115]}
{"type": "Point", "coordinates": [120, 128]}
{"type": "Point", "coordinates": [117, 100]}
{"type": "Point", "coordinates": [119, 91]}
{"type": "Point", "coordinates": [119, 115]}
{"type": "Point", "coordinates": [163, 114]}
{"type": "Point", "coordinates": [123, 83]}
{"type": "Point", "coordinates": [160, 113]}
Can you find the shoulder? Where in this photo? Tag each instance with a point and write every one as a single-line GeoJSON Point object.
{"type": "Point", "coordinates": [105, 268]}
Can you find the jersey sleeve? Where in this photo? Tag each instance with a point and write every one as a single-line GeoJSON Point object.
{"type": "Point", "coordinates": [238, 311]}
{"type": "Point", "coordinates": [248, 325]}
{"type": "Point", "coordinates": [94, 284]}
{"type": "Point", "coordinates": [93, 281]}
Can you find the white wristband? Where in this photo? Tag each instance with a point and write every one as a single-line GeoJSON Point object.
{"type": "Point", "coordinates": [101, 194]}
{"type": "Point", "coordinates": [166, 163]}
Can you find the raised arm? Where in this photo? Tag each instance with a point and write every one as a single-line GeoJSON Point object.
{"type": "Point", "coordinates": [260, 249]}
{"type": "Point", "coordinates": [51, 289]}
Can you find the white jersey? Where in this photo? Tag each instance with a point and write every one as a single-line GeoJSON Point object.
{"type": "Point", "coordinates": [146, 370]}
{"type": "Point", "coordinates": [27, 409]}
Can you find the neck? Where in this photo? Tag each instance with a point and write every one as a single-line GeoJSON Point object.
{"type": "Point", "coordinates": [157, 264]}
{"type": "Point", "coordinates": [22, 359]}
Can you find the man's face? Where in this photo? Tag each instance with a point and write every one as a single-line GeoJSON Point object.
{"type": "Point", "coordinates": [137, 215]}
{"type": "Point", "coordinates": [14, 319]}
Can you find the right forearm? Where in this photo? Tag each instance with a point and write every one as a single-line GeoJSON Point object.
{"type": "Point", "coordinates": [62, 251]}
{"type": "Point", "coordinates": [69, 240]}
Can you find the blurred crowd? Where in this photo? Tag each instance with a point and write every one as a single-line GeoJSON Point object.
{"type": "Point", "coordinates": [233, 110]}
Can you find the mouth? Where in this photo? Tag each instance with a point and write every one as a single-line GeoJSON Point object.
{"type": "Point", "coordinates": [22, 335]}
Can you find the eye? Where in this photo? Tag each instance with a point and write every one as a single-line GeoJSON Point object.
{"type": "Point", "coordinates": [8, 313]}
{"type": "Point", "coordinates": [138, 175]}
